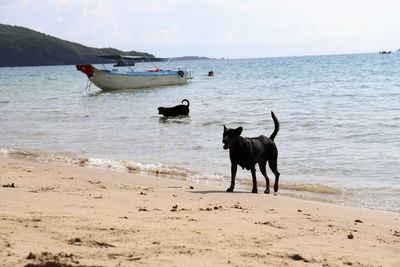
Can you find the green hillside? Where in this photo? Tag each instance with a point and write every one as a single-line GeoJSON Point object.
{"type": "Point", "coordinates": [24, 47]}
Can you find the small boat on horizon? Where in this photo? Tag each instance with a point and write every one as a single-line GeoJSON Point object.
{"type": "Point", "coordinates": [116, 79]}
{"type": "Point", "coordinates": [385, 52]}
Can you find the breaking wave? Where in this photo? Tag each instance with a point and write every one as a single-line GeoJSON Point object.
{"type": "Point", "coordinates": [119, 165]}
{"type": "Point", "coordinates": [314, 188]}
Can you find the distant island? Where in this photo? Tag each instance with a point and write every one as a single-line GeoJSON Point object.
{"type": "Point", "coordinates": [21, 46]}
{"type": "Point", "coordinates": [191, 58]}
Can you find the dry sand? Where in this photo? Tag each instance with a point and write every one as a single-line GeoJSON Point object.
{"type": "Point", "coordinates": [78, 216]}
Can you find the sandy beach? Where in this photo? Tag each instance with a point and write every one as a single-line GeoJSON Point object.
{"type": "Point", "coordinates": [54, 214]}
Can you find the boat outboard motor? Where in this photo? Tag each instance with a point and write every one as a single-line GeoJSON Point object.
{"type": "Point", "coordinates": [181, 73]}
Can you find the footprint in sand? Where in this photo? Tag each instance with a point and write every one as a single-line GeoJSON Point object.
{"type": "Point", "coordinates": [297, 257]}
{"type": "Point", "coordinates": [50, 259]}
{"type": "Point", "coordinates": [91, 243]}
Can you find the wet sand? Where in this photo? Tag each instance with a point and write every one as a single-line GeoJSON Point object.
{"type": "Point", "coordinates": [77, 216]}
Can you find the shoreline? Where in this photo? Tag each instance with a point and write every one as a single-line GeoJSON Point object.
{"type": "Point", "coordinates": [77, 216]}
{"type": "Point", "coordinates": [367, 198]}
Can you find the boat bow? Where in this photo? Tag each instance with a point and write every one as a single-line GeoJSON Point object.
{"type": "Point", "coordinates": [86, 68]}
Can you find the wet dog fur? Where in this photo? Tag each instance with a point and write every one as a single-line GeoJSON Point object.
{"type": "Point", "coordinates": [247, 152]}
{"type": "Point", "coordinates": [179, 110]}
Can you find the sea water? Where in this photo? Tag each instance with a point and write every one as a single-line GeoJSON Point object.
{"type": "Point", "coordinates": [339, 138]}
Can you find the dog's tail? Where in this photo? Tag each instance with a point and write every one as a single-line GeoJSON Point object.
{"type": "Point", "coordinates": [187, 101]}
{"type": "Point", "coordinates": [276, 123]}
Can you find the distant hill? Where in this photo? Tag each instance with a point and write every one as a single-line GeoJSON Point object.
{"type": "Point", "coordinates": [24, 47]}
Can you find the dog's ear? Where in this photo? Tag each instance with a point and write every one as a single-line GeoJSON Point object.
{"type": "Point", "coordinates": [224, 128]}
{"type": "Point", "coordinates": [238, 131]}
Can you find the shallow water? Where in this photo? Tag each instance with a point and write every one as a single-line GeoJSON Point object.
{"type": "Point", "coordinates": [339, 115]}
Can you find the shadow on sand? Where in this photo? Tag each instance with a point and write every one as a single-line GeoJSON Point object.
{"type": "Point", "coordinates": [218, 192]}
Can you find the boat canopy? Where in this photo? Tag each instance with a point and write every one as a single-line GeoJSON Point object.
{"type": "Point", "coordinates": [131, 60]}
{"type": "Point", "coordinates": [135, 58]}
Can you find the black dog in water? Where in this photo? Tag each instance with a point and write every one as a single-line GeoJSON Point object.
{"type": "Point", "coordinates": [247, 152]}
{"type": "Point", "coordinates": [175, 111]}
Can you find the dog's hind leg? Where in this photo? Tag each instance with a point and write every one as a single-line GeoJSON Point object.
{"type": "Point", "coordinates": [263, 170]}
{"type": "Point", "coordinates": [233, 176]}
{"type": "Point", "coordinates": [253, 175]}
{"type": "Point", "coordinates": [273, 164]}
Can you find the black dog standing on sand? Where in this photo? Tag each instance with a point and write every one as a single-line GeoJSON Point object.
{"type": "Point", "coordinates": [178, 110]}
{"type": "Point", "coordinates": [247, 152]}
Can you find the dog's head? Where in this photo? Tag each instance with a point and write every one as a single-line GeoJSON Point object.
{"type": "Point", "coordinates": [230, 136]}
{"type": "Point", "coordinates": [161, 110]}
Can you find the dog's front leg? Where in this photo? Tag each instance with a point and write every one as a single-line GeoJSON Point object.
{"type": "Point", "coordinates": [253, 175]}
{"type": "Point", "coordinates": [233, 176]}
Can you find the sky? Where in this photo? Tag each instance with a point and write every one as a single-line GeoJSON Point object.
{"type": "Point", "coordinates": [215, 28]}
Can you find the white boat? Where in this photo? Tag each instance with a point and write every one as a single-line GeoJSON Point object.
{"type": "Point", "coordinates": [116, 79]}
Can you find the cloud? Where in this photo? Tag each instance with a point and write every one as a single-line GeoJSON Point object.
{"type": "Point", "coordinates": [63, 3]}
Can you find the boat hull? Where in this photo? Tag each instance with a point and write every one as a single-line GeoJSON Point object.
{"type": "Point", "coordinates": [114, 80]}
